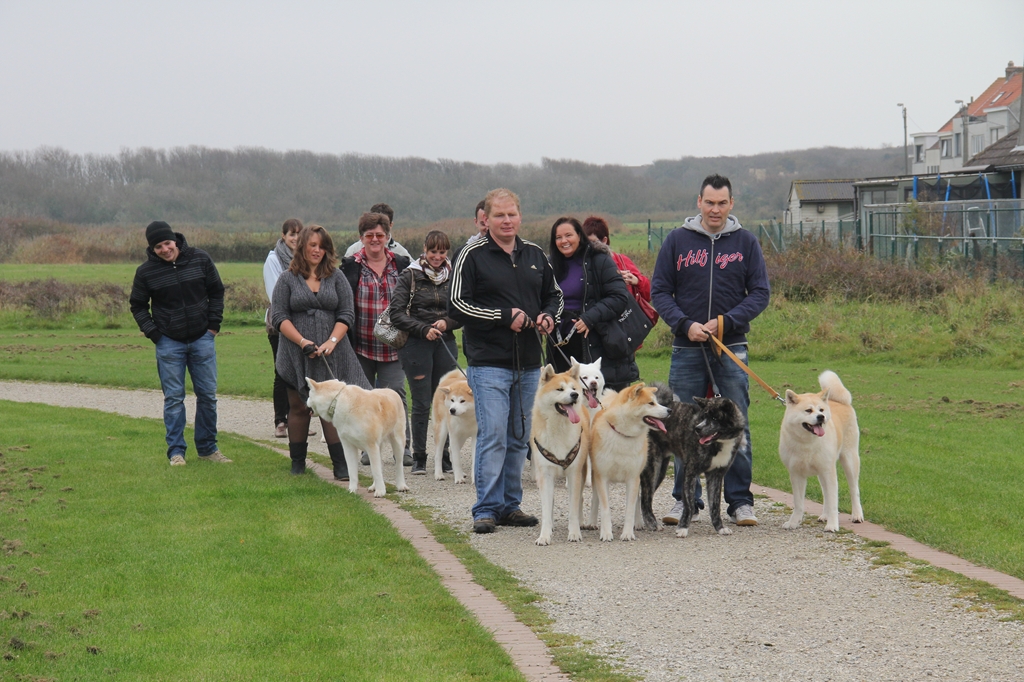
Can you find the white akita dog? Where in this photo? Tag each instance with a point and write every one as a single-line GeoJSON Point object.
{"type": "Point", "coordinates": [364, 420]}
{"type": "Point", "coordinates": [454, 415]}
{"type": "Point", "coordinates": [559, 443]}
{"type": "Point", "coordinates": [817, 430]}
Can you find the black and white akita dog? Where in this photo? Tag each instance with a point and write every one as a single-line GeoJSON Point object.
{"type": "Point", "coordinates": [707, 436]}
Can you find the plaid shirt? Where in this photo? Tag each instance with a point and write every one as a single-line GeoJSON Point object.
{"type": "Point", "coordinates": [372, 298]}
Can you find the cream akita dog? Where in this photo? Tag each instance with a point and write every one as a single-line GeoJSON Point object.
{"type": "Point", "coordinates": [559, 442]}
{"type": "Point", "coordinates": [364, 419]}
{"type": "Point", "coordinates": [817, 430]}
{"type": "Point", "coordinates": [454, 415]}
{"type": "Point", "coordinates": [618, 449]}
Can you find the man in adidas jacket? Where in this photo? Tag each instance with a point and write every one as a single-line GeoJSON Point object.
{"type": "Point", "coordinates": [708, 267]}
{"type": "Point", "coordinates": [502, 287]}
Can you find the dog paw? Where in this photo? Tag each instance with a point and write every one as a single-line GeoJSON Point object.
{"type": "Point", "coordinates": [607, 538]}
{"type": "Point", "coordinates": [543, 541]}
{"type": "Point", "coordinates": [382, 493]}
{"type": "Point", "coordinates": [440, 478]}
{"type": "Point", "coordinates": [832, 527]}
{"type": "Point", "coordinates": [725, 531]}
{"type": "Point", "coordinates": [588, 526]}
{"type": "Point", "coordinates": [402, 488]}
{"type": "Point", "coordinates": [627, 538]}
{"type": "Point", "coordinates": [461, 480]}
{"type": "Point", "coordinates": [789, 525]}
{"type": "Point", "coordinates": [682, 532]}
{"type": "Point", "coordinates": [575, 537]}
{"type": "Point", "coordinates": [822, 519]}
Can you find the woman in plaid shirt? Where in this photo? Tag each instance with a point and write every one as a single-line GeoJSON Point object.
{"type": "Point", "coordinates": [373, 273]}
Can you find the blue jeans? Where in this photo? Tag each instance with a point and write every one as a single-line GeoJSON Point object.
{"type": "Point", "coordinates": [688, 377]}
{"type": "Point", "coordinates": [200, 358]}
{"type": "Point", "coordinates": [504, 401]}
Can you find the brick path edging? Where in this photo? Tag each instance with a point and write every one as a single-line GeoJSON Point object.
{"type": "Point", "coordinates": [912, 548]}
{"type": "Point", "coordinates": [529, 654]}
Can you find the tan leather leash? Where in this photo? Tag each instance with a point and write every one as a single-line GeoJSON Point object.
{"type": "Point", "coordinates": [771, 391]}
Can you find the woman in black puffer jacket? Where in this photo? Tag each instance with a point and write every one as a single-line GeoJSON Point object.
{"type": "Point", "coordinates": [430, 351]}
{"type": "Point", "coordinates": [595, 295]}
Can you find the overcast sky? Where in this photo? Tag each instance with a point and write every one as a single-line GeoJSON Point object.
{"type": "Point", "coordinates": [598, 81]}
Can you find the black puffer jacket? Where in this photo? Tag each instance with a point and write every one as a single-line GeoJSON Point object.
{"type": "Point", "coordinates": [187, 295]}
{"type": "Point", "coordinates": [429, 303]}
{"type": "Point", "coordinates": [605, 297]}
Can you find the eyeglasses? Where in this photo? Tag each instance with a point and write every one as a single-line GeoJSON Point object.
{"type": "Point", "coordinates": [372, 237]}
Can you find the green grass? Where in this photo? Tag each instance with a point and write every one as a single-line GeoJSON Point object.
{"type": "Point", "coordinates": [121, 273]}
{"type": "Point", "coordinates": [117, 565]}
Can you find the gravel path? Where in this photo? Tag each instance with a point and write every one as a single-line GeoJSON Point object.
{"type": "Point", "coordinates": [761, 604]}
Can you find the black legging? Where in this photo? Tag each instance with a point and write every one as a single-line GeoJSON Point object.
{"type": "Point", "coordinates": [298, 421]}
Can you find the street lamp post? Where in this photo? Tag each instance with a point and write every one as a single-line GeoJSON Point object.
{"type": "Point", "coordinates": [906, 158]}
{"type": "Point", "coordinates": [964, 131]}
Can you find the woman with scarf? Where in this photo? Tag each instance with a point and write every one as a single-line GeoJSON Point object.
{"type": "Point", "coordinates": [278, 261]}
{"type": "Point", "coordinates": [431, 350]}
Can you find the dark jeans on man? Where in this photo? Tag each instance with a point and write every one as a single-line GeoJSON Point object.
{"type": "Point", "coordinates": [388, 375]}
{"type": "Point", "coordinates": [688, 377]}
{"type": "Point", "coordinates": [280, 387]}
{"type": "Point", "coordinates": [425, 362]}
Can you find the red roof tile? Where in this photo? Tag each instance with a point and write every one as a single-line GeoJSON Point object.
{"type": "Point", "coordinates": [1002, 92]}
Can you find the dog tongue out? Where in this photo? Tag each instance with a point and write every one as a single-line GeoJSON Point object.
{"type": "Point", "coordinates": [592, 399]}
{"type": "Point", "coordinates": [655, 422]}
{"type": "Point", "coordinates": [570, 412]}
{"type": "Point", "coordinates": [817, 430]}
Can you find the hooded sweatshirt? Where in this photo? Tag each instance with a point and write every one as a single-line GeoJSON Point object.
{"type": "Point", "coordinates": [699, 275]}
{"type": "Point", "coordinates": [181, 300]}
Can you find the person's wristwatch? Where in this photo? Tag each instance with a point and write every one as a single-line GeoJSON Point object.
{"type": "Point", "coordinates": [334, 339]}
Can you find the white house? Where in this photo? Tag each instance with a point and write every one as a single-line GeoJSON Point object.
{"type": "Point", "coordinates": [812, 201]}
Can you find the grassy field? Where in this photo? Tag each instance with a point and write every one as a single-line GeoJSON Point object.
{"type": "Point", "coordinates": [119, 273]}
{"type": "Point", "coordinates": [117, 566]}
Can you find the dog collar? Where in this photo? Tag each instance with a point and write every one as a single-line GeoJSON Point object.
{"type": "Point", "coordinates": [333, 406]}
{"type": "Point", "coordinates": [564, 463]}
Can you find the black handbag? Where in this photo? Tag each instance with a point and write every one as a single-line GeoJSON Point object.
{"type": "Point", "coordinates": [385, 330]}
{"type": "Point", "coordinates": [622, 336]}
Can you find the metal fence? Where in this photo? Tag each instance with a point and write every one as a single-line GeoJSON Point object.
{"type": "Point", "coordinates": [840, 233]}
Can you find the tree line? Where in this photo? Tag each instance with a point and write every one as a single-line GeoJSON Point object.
{"type": "Point", "coordinates": [257, 188]}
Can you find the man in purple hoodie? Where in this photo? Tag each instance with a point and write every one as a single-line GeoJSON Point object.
{"type": "Point", "coordinates": [708, 267]}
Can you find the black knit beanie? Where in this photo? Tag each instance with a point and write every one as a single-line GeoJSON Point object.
{"type": "Point", "coordinates": [159, 231]}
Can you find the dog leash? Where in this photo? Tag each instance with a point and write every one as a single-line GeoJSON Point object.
{"type": "Point", "coordinates": [771, 391]}
{"type": "Point", "coordinates": [454, 359]}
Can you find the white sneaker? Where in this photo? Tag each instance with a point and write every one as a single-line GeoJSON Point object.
{"type": "Point", "coordinates": [672, 518]}
{"type": "Point", "coordinates": [215, 456]}
{"type": "Point", "coordinates": [177, 461]}
{"type": "Point", "coordinates": [744, 516]}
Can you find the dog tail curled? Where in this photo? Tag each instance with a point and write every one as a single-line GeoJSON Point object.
{"type": "Point", "coordinates": [832, 388]}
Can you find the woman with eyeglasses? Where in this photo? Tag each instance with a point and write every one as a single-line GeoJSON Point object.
{"type": "Point", "coordinates": [313, 311]}
{"type": "Point", "coordinates": [372, 274]}
{"type": "Point", "coordinates": [595, 295]}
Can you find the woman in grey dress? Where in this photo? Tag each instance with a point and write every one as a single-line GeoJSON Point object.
{"type": "Point", "coordinates": [313, 310]}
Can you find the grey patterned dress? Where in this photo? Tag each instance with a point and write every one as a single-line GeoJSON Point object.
{"type": "Point", "coordinates": [315, 315]}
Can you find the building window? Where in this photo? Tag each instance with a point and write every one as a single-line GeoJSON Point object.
{"type": "Point", "coordinates": [918, 153]}
{"type": "Point", "coordinates": [994, 135]}
{"type": "Point", "coordinates": [932, 169]}
{"type": "Point", "coordinates": [946, 152]}
{"type": "Point", "coordinates": [977, 144]}
{"type": "Point", "coordinates": [956, 144]}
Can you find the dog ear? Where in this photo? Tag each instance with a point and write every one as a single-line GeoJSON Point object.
{"type": "Point", "coordinates": [574, 370]}
{"type": "Point", "coordinates": [547, 373]}
{"type": "Point", "coordinates": [702, 402]}
{"type": "Point", "coordinates": [446, 390]}
{"type": "Point", "coordinates": [791, 398]}
{"type": "Point", "coordinates": [825, 394]}
{"type": "Point", "coordinates": [312, 384]}
{"type": "Point", "coordinates": [597, 364]}
{"type": "Point", "coordinates": [637, 389]}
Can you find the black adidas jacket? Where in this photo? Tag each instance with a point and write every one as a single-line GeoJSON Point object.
{"type": "Point", "coordinates": [182, 299]}
{"type": "Point", "coordinates": [487, 283]}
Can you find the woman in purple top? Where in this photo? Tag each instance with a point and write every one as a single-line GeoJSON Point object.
{"type": "Point", "coordinates": [595, 295]}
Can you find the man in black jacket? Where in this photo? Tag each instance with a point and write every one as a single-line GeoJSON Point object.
{"type": "Point", "coordinates": [178, 302]}
{"type": "Point", "coordinates": [502, 287]}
